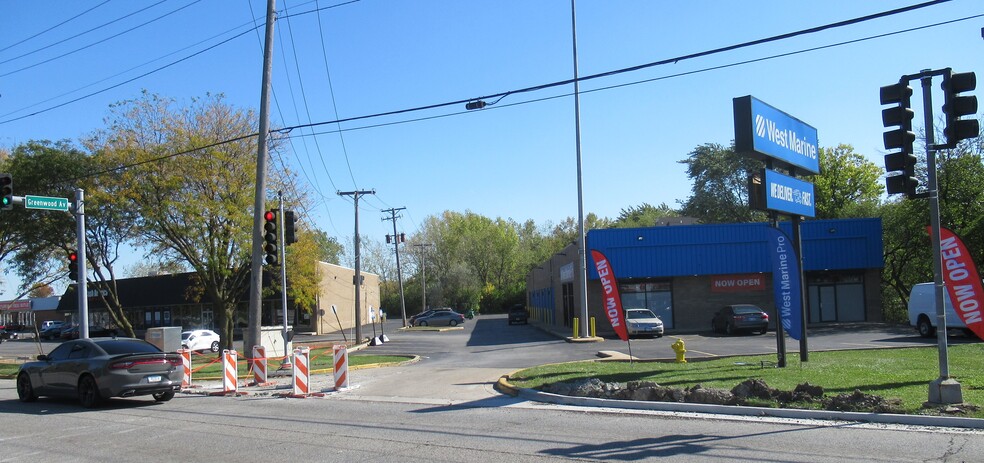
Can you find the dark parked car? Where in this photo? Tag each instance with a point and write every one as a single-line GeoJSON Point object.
{"type": "Point", "coordinates": [96, 369]}
{"type": "Point", "coordinates": [413, 320]}
{"type": "Point", "coordinates": [72, 332]}
{"type": "Point", "coordinates": [518, 314]}
{"type": "Point", "coordinates": [441, 317]}
{"type": "Point", "coordinates": [740, 317]}
{"type": "Point", "coordinates": [51, 331]}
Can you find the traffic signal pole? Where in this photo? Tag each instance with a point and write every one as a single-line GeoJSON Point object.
{"type": "Point", "coordinates": [283, 279]}
{"type": "Point", "coordinates": [81, 287]}
{"type": "Point", "coordinates": [944, 389]}
{"type": "Point", "coordinates": [399, 272]}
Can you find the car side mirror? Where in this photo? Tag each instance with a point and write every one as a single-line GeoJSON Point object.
{"type": "Point", "coordinates": [43, 357]}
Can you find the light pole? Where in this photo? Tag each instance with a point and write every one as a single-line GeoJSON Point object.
{"type": "Point", "coordinates": [581, 242]}
{"type": "Point", "coordinates": [581, 277]}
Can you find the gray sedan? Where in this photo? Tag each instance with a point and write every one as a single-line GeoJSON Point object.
{"type": "Point", "coordinates": [98, 368]}
{"type": "Point", "coordinates": [441, 317]}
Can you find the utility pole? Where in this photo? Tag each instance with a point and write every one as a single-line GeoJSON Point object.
{"type": "Point", "coordinates": [399, 273]}
{"type": "Point", "coordinates": [357, 279]}
{"type": "Point", "coordinates": [252, 335]}
{"type": "Point", "coordinates": [423, 277]}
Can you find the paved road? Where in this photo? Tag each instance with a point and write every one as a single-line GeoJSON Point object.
{"type": "Point", "coordinates": [444, 409]}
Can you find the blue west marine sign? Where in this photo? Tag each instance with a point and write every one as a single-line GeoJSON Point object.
{"type": "Point", "coordinates": [789, 195]}
{"type": "Point", "coordinates": [764, 132]}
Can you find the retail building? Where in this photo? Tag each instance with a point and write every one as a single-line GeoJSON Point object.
{"type": "Point", "coordinates": [685, 273]}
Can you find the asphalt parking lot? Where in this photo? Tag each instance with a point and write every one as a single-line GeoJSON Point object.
{"type": "Point", "coordinates": [531, 343]}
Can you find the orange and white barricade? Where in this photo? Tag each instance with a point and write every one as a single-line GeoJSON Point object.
{"type": "Point", "coordinates": [301, 370]}
{"type": "Point", "coordinates": [230, 367]}
{"type": "Point", "coordinates": [186, 366]}
{"type": "Point", "coordinates": [259, 363]}
{"type": "Point", "coordinates": [341, 366]}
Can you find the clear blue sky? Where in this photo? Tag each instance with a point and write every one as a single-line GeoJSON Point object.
{"type": "Point", "coordinates": [512, 160]}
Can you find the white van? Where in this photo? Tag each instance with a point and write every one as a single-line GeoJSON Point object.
{"type": "Point", "coordinates": [922, 310]}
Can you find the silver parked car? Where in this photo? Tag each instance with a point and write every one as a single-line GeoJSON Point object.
{"type": "Point", "coordinates": [95, 369]}
{"type": "Point", "coordinates": [441, 317]}
{"type": "Point", "coordinates": [643, 322]}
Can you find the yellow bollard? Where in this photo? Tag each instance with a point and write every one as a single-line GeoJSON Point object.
{"type": "Point", "coordinates": [593, 327]}
{"type": "Point", "coordinates": [680, 350]}
{"type": "Point", "coordinates": [575, 328]}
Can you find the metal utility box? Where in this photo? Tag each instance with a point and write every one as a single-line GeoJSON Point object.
{"type": "Point", "coordinates": [272, 340]}
{"type": "Point", "coordinates": [166, 338]}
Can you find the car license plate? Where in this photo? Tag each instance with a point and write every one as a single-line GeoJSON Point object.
{"type": "Point", "coordinates": [154, 379]}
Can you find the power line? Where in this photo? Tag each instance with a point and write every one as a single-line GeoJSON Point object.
{"type": "Point", "coordinates": [331, 92]}
{"type": "Point", "coordinates": [53, 27]}
{"type": "Point", "coordinates": [286, 130]}
{"type": "Point", "coordinates": [128, 80]}
{"type": "Point", "coordinates": [153, 71]}
{"type": "Point", "coordinates": [93, 43]}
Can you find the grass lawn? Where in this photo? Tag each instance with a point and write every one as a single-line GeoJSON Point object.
{"type": "Point", "coordinates": [210, 365]}
{"type": "Point", "coordinates": [902, 373]}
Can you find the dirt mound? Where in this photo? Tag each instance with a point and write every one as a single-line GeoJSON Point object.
{"type": "Point", "coordinates": [749, 392]}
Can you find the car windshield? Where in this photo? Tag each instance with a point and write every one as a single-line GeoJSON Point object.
{"type": "Point", "coordinates": [185, 335]}
{"type": "Point", "coordinates": [639, 314]}
{"type": "Point", "coordinates": [747, 309]}
{"type": "Point", "coordinates": [127, 346]}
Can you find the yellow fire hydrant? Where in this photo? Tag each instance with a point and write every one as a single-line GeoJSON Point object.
{"type": "Point", "coordinates": [680, 350]}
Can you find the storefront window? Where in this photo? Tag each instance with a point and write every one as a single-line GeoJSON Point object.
{"type": "Point", "coordinates": [655, 296]}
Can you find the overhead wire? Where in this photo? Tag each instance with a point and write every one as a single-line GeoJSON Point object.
{"type": "Point", "coordinates": [120, 84]}
{"type": "Point", "coordinates": [304, 101]}
{"type": "Point", "coordinates": [53, 27]}
{"type": "Point", "coordinates": [153, 71]}
{"type": "Point", "coordinates": [71, 52]}
{"type": "Point", "coordinates": [287, 130]}
{"type": "Point", "coordinates": [331, 92]}
{"type": "Point", "coordinates": [324, 200]}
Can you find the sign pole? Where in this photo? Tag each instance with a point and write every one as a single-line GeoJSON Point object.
{"type": "Point", "coordinates": [81, 285]}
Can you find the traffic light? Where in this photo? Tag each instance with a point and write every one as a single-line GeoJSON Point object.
{"type": "Point", "coordinates": [956, 106]}
{"type": "Point", "coordinates": [898, 118]}
{"type": "Point", "coordinates": [289, 236]}
{"type": "Point", "coordinates": [403, 237]}
{"type": "Point", "coordinates": [270, 236]}
{"type": "Point", "coordinates": [73, 265]}
{"type": "Point", "coordinates": [389, 239]}
{"type": "Point", "coordinates": [6, 192]}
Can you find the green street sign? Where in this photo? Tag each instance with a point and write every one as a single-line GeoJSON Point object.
{"type": "Point", "coordinates": [46, 203]}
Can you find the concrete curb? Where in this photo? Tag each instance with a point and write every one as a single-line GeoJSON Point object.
{"type": "Point", "coordinates": [504, 386]}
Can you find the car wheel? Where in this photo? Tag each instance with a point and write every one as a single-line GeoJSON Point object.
{"type": "Point", "coordinates": [926, 329]}
{"type": "Point", "coordinates": [423, 323]}
{"type": "Point", "coordinates": [25, 392]}
{"type": "Point", "coordinates": [89, 392]}
{"type": "Point", "coordinates": [764, 330]}
{"type": "Point", "coordinates": [729, 328]}
{"type": "Point", "coordinates": [215, 346]}
{"type": "Point", "coordinates": [164, 396]}
{"type": "Point", "coordinates": [453, 323]}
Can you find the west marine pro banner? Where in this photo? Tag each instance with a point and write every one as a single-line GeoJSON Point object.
{"type": "Point", "coordinates": [786, 282]}
{"type": "Point", "coordinates": [963, 283]}
{"type": "Point", "coordinates": [613, 302]}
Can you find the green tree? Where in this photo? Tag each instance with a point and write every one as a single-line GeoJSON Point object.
{"type": "Point", "coordinates": [720, 185]}
{"type": "Point", "coordinates": [644, 215]}
{"type": "Point", "coordinates": [848, 184]}
{"type": "Point", "coordinates": [190, 173]}
{"type": "Point", "coordinates": [960, 177]}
